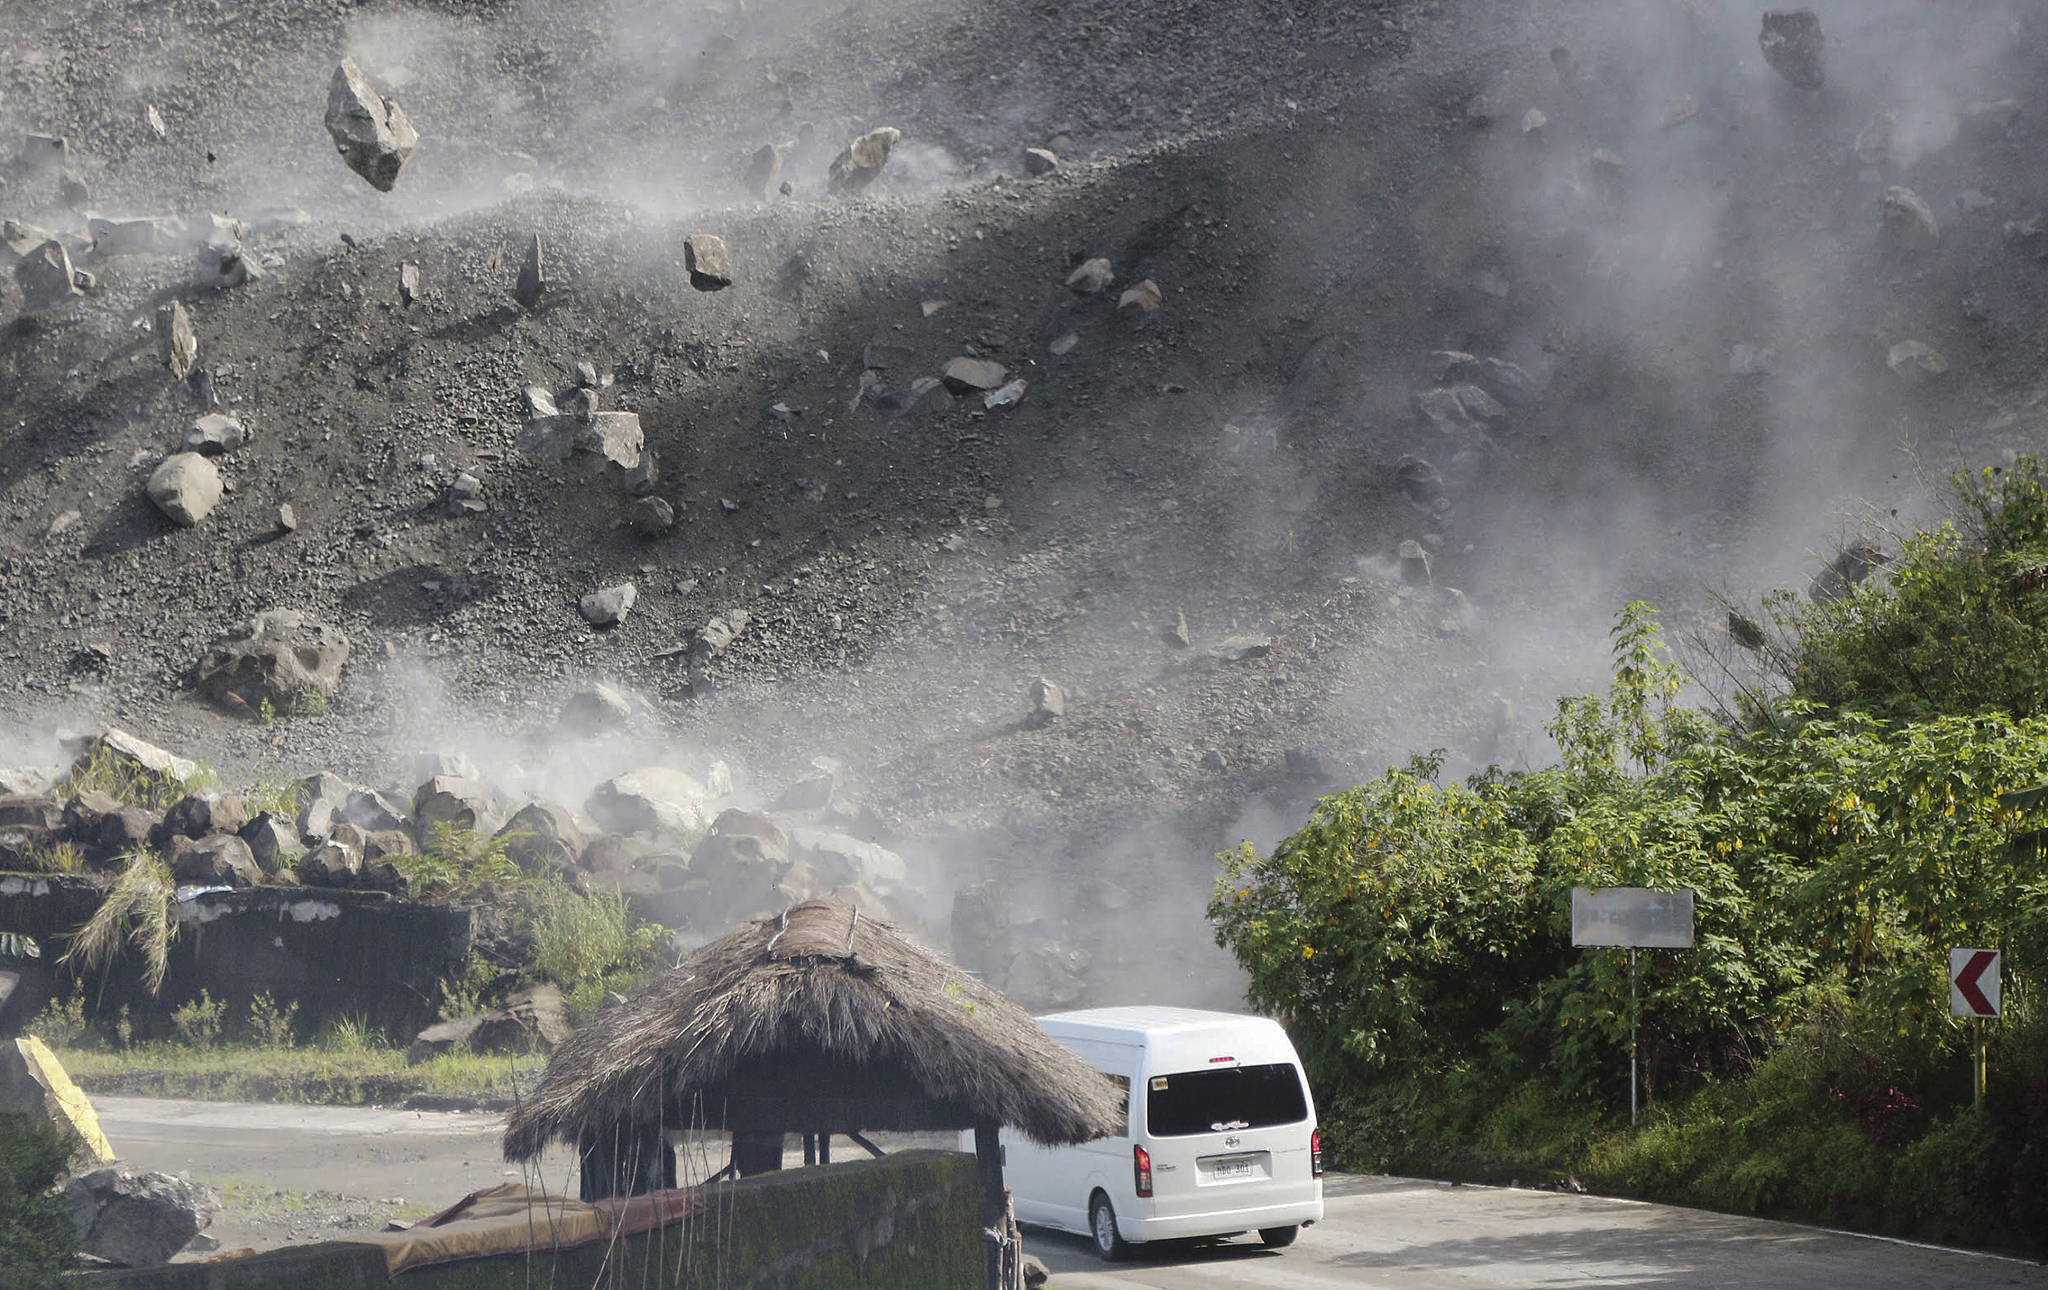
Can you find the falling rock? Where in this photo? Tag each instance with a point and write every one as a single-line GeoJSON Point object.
{"type": "Point", "coordinates": [1477, 403]}
{"type": "Point", "coordinates": [764, 172]}
{"type": "Point", "coordinates": [146, 236]}
{"type": "Point", "coordinates": [135, 1219]}
{"type": "Point", "coordinates": [651, 517]}
{"type": "Point", "coordinates": [278, 655]}
{"type": "Point", "coordinates": [842, 859]}
{"type": "Point", "coordinates": [1048, 702]}
{"type": "Point", "coordinates": [1534, 120]}
{"type": "Point", "coordinates": [1792, 43]}
{"type": "Point", "coordinates": [595, 709]}
{"type": "Point", "coordinates": [1916, 359]}
{"type": "Point", "coordinates": [1007, 395]}
{"type": "Point", "coordinates": [1242, 648]}
{"type": "Point", "coordinates": [1418, 481]}
{"type": "Point", "coordinates": [608, 607]}
{"type": "Point", "coordinates": [1092, 278]}
{"type": "Point", "coordinates": [71, 190]}
{"type": "Point", "coordinates": [1857, 559]}
{"type": "Point", "coordinates": [539, 402]}
{"type": "Point", "coordinates": [1414, 559]}
{"type": "Point", "coordinates": [176, 343]}
{"type": "Point", "coordinates": [1047, 975]}
{"type": "Point", "coordinates": [863, 159]}
{"type": "Point", "coordinates": [1445, 410]}
{"type": "Point", "coordinates": [369, 131]}
{"type": "Point", "coordinates": [641, 478]}
{"type": "Point", "coordinates": [217, 242]}
{"type": "Point", "coordinates": [715, 636]}
{"type": "Point", "coordinates": [287, 518]}
{"type": "Point", "coordinates": [216, 433]}
{"type": "Point", "coordinates": [1745, 631]}
{"type": "Point", "coordinates": [35, 1084]}
{"type": "Point", "coordinates": [709, 263]}
{"type": "Point", "coordinates": [1176, 633]}
{"type": "Point", "coordinates": [964, 376]}
{"type": "Point", "coordinates": [18, 239]}
{"type": "Point", "coordinates": [208, 810]}
{"type": "Point", "coordinates": [374, 811]}
{"type": "Point", "coordinates": [1145, 296]}
{"type": "Point", "coordinates": [185, 487]}
{"type": "Point", "coordinates": [465, 495]}
{"type": "Point", "coordinates": [1905, 221]}
{"type": "Point", "coordinates": [532, 277]}
{"type": "Point", "coordinates": [408, 282]}
{"type": "Point", "coordinates": [136, 756]}
{"type": "Point", "coordinates": [46, 277]}
{"type": "Point", "coordinates": [1040, 161]}
{"type": "Point", "coordinates": [337, 862]}
{"type": "Point", "coordinates": [614, 437]}
{"type": "Point", "coordinates": [651, 800]}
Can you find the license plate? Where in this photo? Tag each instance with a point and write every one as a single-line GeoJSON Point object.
{"type": "Point", "coordinates": [1232, 1169]}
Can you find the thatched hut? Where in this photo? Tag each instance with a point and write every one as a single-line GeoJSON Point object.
{"type": "Point", "coordinates": [816, 1021]}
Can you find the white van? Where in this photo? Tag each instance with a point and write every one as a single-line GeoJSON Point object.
{"type": "Point", "coordinates": [1220, 1139]}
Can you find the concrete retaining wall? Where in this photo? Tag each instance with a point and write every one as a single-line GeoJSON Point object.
{"type": "Point", "coordinates": [336, 953]}
{"type": "Point", "coordinates": [903, 1222]}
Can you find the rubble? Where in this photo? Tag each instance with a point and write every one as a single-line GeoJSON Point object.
{"type": "Point", "coordinates": [651, 800]}
{"type": "Point", "coordinates": [764, 173]}
{"type": "Point", "coordinates": [176, 343]}
{"type": "Point", "coordinates": [46, 278]}
{"type": "Point", "coordinates": [1091, 277]}
{"type": "Point", "coordinates": [1040, 161]}
{"type": "Point", "coordinates": [216, 433]}
{"type": "Point", "coordinates": [1144, 296]}
{"type": "Point", "coordinates": [1792, 43]}
{"type": "Point", "coordinates": [650, 517]}
{"type": "Point", "coordinates": [708, 262]}
{"type": "Point", "coordinates": [370, 132]}
{"type": "Point", "coordinates": [1905, 221]}
{"type": "Point", "coordinates": [1048, 702]}
{"type": "Point", "coordinates": [608, 607]}
{"type": "Point", "coordinates": [277, 656]}
{"type": "Point", "coordinates": [185, 487]}
{"type": "Point", "coordinates": [613, 437]}
{"type": "Point", "coordinates": [964, 376]}
{"type": "Point", "coordinates": [532, 277]}
{"type": "Point", "coordinates": [862, 160]}
{"type": "Point", "coordinates": [222, 261]}
{"type": "Point", "coordinates": [465, 495]}
{"type": "Point", "coordinates": [17, 239]}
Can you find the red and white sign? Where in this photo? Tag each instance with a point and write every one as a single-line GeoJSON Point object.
{"type": "Point", "coordinates": [1973, 983]}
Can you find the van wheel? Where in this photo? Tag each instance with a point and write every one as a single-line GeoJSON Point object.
{"type": "Point", "coordinates": [1109, 1243]}
{"type": "Point", "coordinates": [1280, 1237]}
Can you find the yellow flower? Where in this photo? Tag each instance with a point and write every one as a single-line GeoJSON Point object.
{"type": "Point", "coordinates": [1308, 951]}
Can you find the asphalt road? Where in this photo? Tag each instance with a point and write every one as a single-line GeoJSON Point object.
{"type": "Point", "coordinates": [1391, 1233]}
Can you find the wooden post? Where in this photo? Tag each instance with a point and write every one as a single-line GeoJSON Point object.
{"type": "Point", "coordinates": [988, 1160]}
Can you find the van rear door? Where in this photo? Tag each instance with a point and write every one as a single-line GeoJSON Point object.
{"type": "Point", "coordinates": [1223, 1128]}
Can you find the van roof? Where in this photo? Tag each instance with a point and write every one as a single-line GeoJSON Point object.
{"type": "Point", "coordinates": [1150, 1019]}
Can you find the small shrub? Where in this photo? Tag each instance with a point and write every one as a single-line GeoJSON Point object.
{"type": "Point", "coordinates": [465, 994]}
{"type": "Point", "coordinates": [350, 1034]}
{"type": "Point", "coordinates": [200, 1021]}
{"type": "Point", "coordinates": [459, 862]}
{"type": "Point", "coordinates": [124, 1028]}
{"type": "Point", "coordinates": [141, 909]}
{"type": "Point", "coordinates": [280, 797]}
{"type": "Point", "coordinates": [271, 1025]}
{"type": "Point", "coordinates": [36, 1235]}
{"type": "Point", "coordinates": [585, 943]}
{"type": "Point", "coordinates": [61, 1023]}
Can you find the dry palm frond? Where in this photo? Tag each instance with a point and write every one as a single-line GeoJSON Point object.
{"type": "Point", "coordinates": [818, 979]}
{"type": "Point", "coordinates": [141, 909]}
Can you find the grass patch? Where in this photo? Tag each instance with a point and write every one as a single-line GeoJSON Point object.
{"type": "Point", "coordinates": [111, 773]}
{"type": "Point", "coordinates": [332, 1076]}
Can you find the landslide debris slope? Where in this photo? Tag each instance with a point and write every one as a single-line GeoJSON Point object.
{"type": "Point", "coordinates": [1194, 519]}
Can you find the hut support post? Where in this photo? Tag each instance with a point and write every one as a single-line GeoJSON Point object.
{"type": "Point", "coordinates": [999, 1235]}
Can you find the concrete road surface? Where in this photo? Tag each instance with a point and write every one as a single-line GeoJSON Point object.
{"type": "Point", "coordinates": [1405, 1234]}
{"type": "Point", "coordinates": [299, 1173]}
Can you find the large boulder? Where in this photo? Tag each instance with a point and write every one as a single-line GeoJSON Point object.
{"type": "Point", "coordinates": [280, 655]}
{"type": "Point", "coordinates": [543, 838]}
{"type": "Point", "coordinates": [185, 487]}
{"type": "Point", "coordinates": [374, 811]}
{"type": "Point", "coordinates": [274, 841]}
{"type": "Point", "coordinates": [741, 862]}
{"type": "Point", "coordinates": [369, 131]}
{"type": "Point", "coordinates": [125, 755]}
{"type": "Point", "coordinates": [337, 862]}
{"type": "Point", "coordinates": [608, 438]}
{"type": "Point", "coordinates": [862, 160]}
{"type": "Point", "coordinates": [223, 860]}
{"type": "Point", "coordinates": [27, 808]}
{"type": "Point", "coordinates": [34, 1083]}
{"type": "Point", "coordinates": [457, 803]}
{"type": "Point", "coordinates": [138, 1219]}
{"type": "Point", "coordinates": [652, 800]}
{"type": "Point", "coordinates": [208, 810]}
{"type": "Point", "coordinates": [843, 859]}
{"type": "Point", "coordinates": [530, 1020]}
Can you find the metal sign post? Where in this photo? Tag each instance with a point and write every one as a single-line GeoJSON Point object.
{"type": "Point", "coordinates": [1973, 991]}
{"type": "Point", "coordinates": [1635, 918]}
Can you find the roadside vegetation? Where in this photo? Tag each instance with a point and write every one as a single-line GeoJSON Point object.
{"type": "Point", "coordinates": [36, 1236]}
{"type": "Point", "coordinates": [1849, 806]}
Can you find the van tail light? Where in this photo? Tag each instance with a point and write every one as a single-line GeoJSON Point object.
{"type": "Point", "coordinates": [1315, 1153]}
{"type": "Point", "coordinates": [1141, 1169]}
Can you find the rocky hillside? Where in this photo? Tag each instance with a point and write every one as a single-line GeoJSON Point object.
{"type": "Point", "coordinates": [1465, 323]}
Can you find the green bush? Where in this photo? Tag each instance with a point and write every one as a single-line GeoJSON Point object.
{"type": "Point", "coordinates": [585, 944]}
{"type": "Point", "coordinates": [201, 1023]}
{"type": "Point", "coordinates": [270, 1025]}
{"type": "Point", "coordinates": [36, 1236]}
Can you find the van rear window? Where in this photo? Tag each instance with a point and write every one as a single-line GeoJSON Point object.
{"type": "Point", "coordinates": [1225, 1098]}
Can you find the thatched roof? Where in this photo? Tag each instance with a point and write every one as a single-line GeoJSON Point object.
{"type": "Point", "coordinates": [822, 1010]}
